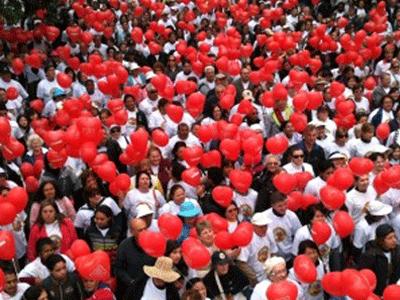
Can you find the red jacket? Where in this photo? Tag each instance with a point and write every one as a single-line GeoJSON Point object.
{"type": "Point", "coordinates": [37, 231]}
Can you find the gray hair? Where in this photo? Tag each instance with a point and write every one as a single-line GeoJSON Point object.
{"type": "Point", "coordinates": [32, 138]}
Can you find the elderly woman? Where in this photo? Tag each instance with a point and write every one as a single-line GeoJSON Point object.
{"type": "Point", "coordinates": [36, 150]}
{"type": "Point", "coordinates": [275, 268]}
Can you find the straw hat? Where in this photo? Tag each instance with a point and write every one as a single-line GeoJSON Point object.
{"type": "Point", "coordinates": [162, 270]}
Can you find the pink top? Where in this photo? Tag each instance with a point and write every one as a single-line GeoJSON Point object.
{"type": "Point", "coordinates": [64, 204]}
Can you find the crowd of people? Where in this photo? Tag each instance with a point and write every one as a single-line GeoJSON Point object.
{"type": "Point", "coordinates": [211, 149]}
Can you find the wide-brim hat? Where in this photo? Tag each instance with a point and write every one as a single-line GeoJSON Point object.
{"type": "Point", "coordinates": [162, 269]}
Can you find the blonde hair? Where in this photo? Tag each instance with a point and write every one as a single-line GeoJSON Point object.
{"type": "Point", "coordinates": [32, 138]}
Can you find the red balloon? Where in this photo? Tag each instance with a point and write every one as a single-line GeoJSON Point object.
{"type": "Point", "coordinates": [8, 213]}
{"type": "Point", "coordinates": [355, 285]}
{"type": "Point", "coordinates": [279, 92]}
{"type": "Point", "coordinates": [88, 152]}
{"type": "Point", "coordinates": [285, 182]}
{"type": "Point", "coordinates": [192, 176]}
{"type": "Point", "coordinates": [299, 121]}
{"type": "Point", "coordinates": [361, 166]}
{"type": "Point", "coordinates": [211, 159]}
{"type": "Point", "coordinates": [391, 176]}
{"type": "Point", "coordinates": [139, 139]}
{"type": "Point", "coordinates": [137, 35]}
{"type": "Point", "coordinates": [383, 131]}
{"type": "Point", "coordinates": [79, 248]}
{"type": "Point", "coordinates": [174, 112]}
{"type": "Point", "coordinates": [55, 139]}
{"type": "Point", "coordinates": [380, 185]}
{"type": "Point", "coordinates": [31, 184]}
{"type": "Point", "coordinates": [342, 179]}
{"type": "Point", "coordinates": [170, 226]}
{"type": "Point", "coordinates": [106, 171]}
{"type": "Point", "coordinates": [222, 195]}
{"type": "Point", "coordinates": [218, 223]}
{"type": "Point", "coordinates": [336, 89]}
{"type": "Point", "coordinates": [26, 169]}
{"type": "Point", "coordinates": [95, 266]}
{"type": "Point", "coordinates": [37, 105]}
{"type": "Point", "coordinates": [18, 66]}
{"type": "Point", "coordinates": [5, 129]}
{"type": "Point", "coordinates": [277, 144]}
{"type": "Point", "coordinates": [320, 232]}
{"type": "Point", "coordinates": [12, 93]}
{"type": "Point", "coordinates": [333, 284]}
{"type": "Point", "coordinates": [343, 223]}
{"type": "Point", "coordinates": [64, 80]}
{"type": "Point", "coordinates": [230, 148]}
{"type": "Point", "coordinates": [300, 101]}
{"type": "Point", "coordinates": [241, 180]}
{"type": "Point", "coordinates": [371, 278]}
{"type": "Point", "coordinates": [7, 245]}
{"type": "Point", "coordinates": [243, 234]}
{"type": "Point", "coordinates": [123, 182]}
{"type": "Point", "coordinates": [302, 178]}
{"type": "Point", "coordinates": [282, 290]}
{"type": "Point", "coordinates": [305, 269]}
{"type": "Point", "coordinates": [223, 240]}
{"type": "Point", "coordinates": [195, 254]}
{"type": "Point", "coordinates": [159, 82]}
{"type": "Point", "coordinates": [57, 159]}
{"type": "Point", "coordinates": [192, 155]}
{"type": "Point", "coordinates": [159, 137]}
{"type": "Point", "coordinates": [2, 280]}
{"type": "Point", "coordinates": [195, 104]}
{"type": "Point", "coordinates": [391, 292]}
{"type": "Point", "coordinates": [153, 243]}
{"type": "Point", "coordinates": [331, 197]}
{"type": "Point", "coordinates": [370, 83]}
{"type": "Point", "coordinates": [18, 197]}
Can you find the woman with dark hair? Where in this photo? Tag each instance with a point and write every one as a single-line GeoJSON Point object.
{"type": "Point", "coordinates": [232, 216]}
{"type": "Point", "coordinates": [103, 233]}
{"type": "Point", "coordinates": [136, 117]}
{"type": "Point", "coordinates": [143, 193]}
{"type": "Point", "coordinates": [384, 113]}
{"type": "Point", "coordinates": [217, 114]}
{"type": "Point", "coordinates": [48, 190]}
{"type": "Point", "coordinates": [318, 213]}
{"type": "Point", "coordinates": [394, 156]}
{"type": "Point", "coordinates": [61, 284]}
{"type": "Point", "coordinates": [312, 291]}
{"type": "Point", "coordinates": [174, 251]}
{"type": "Point", "coordinates": [24, 128]}
{"type": "Point", "coordinates": [177, 196]}
{"type": "Point", "coordinates": [159, 166]}
{"type": "Point", "coordinates": [197, 284]}
{"type": "Point", "coordinates": [177, 154]}
{"type": "Point", "coordinates": [51, 223]}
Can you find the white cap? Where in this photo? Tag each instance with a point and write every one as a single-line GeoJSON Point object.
{"type": "Point", "coordinates": [134, 66]}
{"type": "Point", "coordinates": [2, 171]}
{"type": "Point", "coordinates": [377, 208]}
{"type": "Point", "coordinates": [143, 210]}
{"type": "Point", "coordinates": [260, 219]}
{"type": "Point", "coordinates": [272, 262]}
{"type": "Point", "coordinates": [337, 155]}
{"type": "Point", "coordinates": [256, 127]}
{"type": "Point", "coordinates": [317, 123]}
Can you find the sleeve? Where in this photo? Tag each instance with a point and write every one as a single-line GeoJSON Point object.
{"type": "Point", "coordinates": [120, 271]}
{"type": "Point", "coordinates": [33, 237]}
{"type": "Point", "coordinates": [40, 91]}
{"type": "Point", "coordinates": [79, 220]}
{"type": "Point", "coordinates": [258, 294]}
{"type": "Point", "coordinates": [114, 207]}
{"type": "Point", "coordinates": [295, 223]}
{"type": "Point", "coordinates": [296, 242]}
{"type": "Point", "coordinates": [244, 254]}
{"type": "Point", "coordinates": [22, 91]}
{"type": "Point", "coordinates": [69, 207]}
{"type": "Point", "coordinates": [33, 215]}
{"type": "Point", "coordinates": [359, 239]}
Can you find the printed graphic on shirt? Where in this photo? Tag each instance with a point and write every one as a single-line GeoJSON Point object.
{"type": "Point", "coordinates": [263, 254]}
{"type": "Point", "coordinates": [279, 234]}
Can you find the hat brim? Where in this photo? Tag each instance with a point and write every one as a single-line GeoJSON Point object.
{"type": "Point", "coordinates": [384, 211]}
{"type": "Point", "coordinates": [189, 214]}
{"type": "Point", "coordinates": [166, 276]}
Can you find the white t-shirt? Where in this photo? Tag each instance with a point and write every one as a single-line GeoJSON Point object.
{"type": "Point", "coordinates": [151, 292]}
{"type": "Point", "coordinates": [21, 288]}
{"type": "Point", "coordinates": [364, 232]}
{"type": "Point", "coordinates": [291, 168]}
{"type": "Point", "coordinates": [359, 148]}
{"type": "Point", "coordinates": [260, 290]}
{"type": "Point", "coordinates": [314, 186]}
{"type": "Point", "coordinates": [173, 208]}
{"type": "Point", "coordinates": [355, 202]}
{"type": "Point", "coordinates": [135, 197]}
{"type": "Point", "coordinates": [257, 252]}
{"type": "Point", "coordinates": [312, 291]}
{"type": "Point", "coordinates": [39, 270]}
{"type": "Point", "coordinates": [282, 230]}
{"type": "Point", "coordinates": [246, 203]}
{"type": "Point", "coordinates": [53, 229]}
{"type": "Point", "coordinates": [45, 88]}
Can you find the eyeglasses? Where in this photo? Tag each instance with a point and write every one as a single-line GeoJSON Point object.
{"type": "Point", "coordinates": [298, 156]}
{"type": "Point", "coordinates": [272, 164]}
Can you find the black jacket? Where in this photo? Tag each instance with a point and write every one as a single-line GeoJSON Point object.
{"type": "Point", "coordinates": [71, 289]}
{"type": "Point", "coordinates": [129, 263]}
{"type": "Point", "coordinates": [135, 291]}
{"type": "Point", "coordinates": [375, 260]}
{"type": "Point", "coordinates": [232, 283]}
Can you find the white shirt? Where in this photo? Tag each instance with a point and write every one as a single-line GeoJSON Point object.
{"type": "Point", "coordinates": [314, 186]}
{"type": "Point", "coordinates": [312, 291]}
{"type": "Point", "coordinates": [151, 292]}
{"type": "Point", "coordinates": [147, 106]}
{"type": "Point", "coordinates": [260, 290]}
{"type": "Point", "coordinates": [173, 208]}
{"type": "Point", "coordinates": [190, 141]}
{"type": "Point", "coordinates": [355, 202]}
{"type": "Point", "coordinates": [85, 213]}
{"type": "Point", "coordinates": [364, 232]}
{"type": "Point", "coordinates": [358, 148]}
{"type": "Point", "coordinates": [386, 116]}
{"type": "Point", "coordinates": [53, 229]}
{"type": "Point", "coordinates": [282, 230]}
{"type": "Point", "coordinates": [135, 197]}
{"type": "Point", "coordinates": [45, 88]}
{"type": "Point", "coordinates": [38, 270]}
{"type": "Point", "coordinates": [291, 168]}
{"type": "Point", "coordinates": [257, 252]}
{"type": "Point", "coordinates": [21, 288]}
{"type": "Point", "coordinates": [245, 202]}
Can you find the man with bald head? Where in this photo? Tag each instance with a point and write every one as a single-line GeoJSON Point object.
{"type": "Point", "coordinates": [131, 258]}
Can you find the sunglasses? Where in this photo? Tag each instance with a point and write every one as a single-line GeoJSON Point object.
{"type": "Point", "coordinates": [298, 156]}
